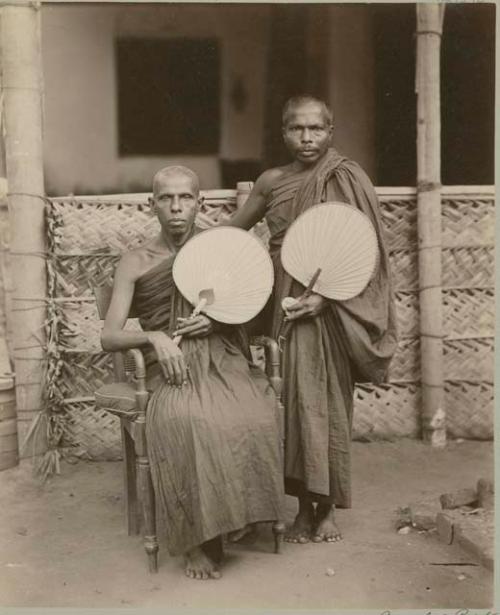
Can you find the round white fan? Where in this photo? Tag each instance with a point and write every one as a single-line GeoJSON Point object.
{"type": "Point", "coordinates": [226, 273]}
{"type": "Point", "coordinates": [331, 249]}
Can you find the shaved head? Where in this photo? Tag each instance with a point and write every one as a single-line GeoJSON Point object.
{"type": "Point", "coordinates": [300, 101]}
{"type": "Point", "coordinates": [175, 171]}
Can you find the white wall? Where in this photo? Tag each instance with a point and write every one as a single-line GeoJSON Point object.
{"type": "Point", "coordinates": [352, 83]}
{"type": "Point", "coordinates": [80, 137]}
{"type": "Point", "coordinates": [245, 53]}
{"type": "Point", "coordinates": [80, 128]}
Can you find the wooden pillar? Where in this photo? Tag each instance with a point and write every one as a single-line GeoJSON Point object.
{"type": "Point", "coordinates": [429, 29]}
{"type": "Point", "coordinates": [6, 324]}
{"type": "Point", "coordinates": [22, 104]}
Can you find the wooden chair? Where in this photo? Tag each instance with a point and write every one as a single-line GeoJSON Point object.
{"type": "Point", "coordinates": [127, 398]}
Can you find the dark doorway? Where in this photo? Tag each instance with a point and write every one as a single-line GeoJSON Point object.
{"type": "Point", "coordinates": [395, 124]}
{"type": "Point", "coordinates": [467, 94]}
{"type": "Point", "coordinates": [297, 65]}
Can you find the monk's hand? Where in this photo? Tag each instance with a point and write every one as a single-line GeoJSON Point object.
{"type": "Point", "coordinates": [307, 307]}
{"type": "Point", "coordinates": [170, 357]}
{"type": "Point", "coordinates": [196, 326]}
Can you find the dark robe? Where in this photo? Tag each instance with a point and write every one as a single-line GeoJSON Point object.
{"type": "Point", "coordinates": [350, 341]}
{"type": "Point", "coordinates": [214, 443]}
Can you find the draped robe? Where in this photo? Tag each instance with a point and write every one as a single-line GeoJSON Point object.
{"type": "Point", "coordinates": [213, 443]}
{"type": "Point", "coordinates": [350, 341]}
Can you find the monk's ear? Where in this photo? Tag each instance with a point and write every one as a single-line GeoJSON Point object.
{"type": "Point", "coordinates": [152, 204]}
{"type": "Point", "coordinates": [199, 203]}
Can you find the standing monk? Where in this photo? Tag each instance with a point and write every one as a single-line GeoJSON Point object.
{"type": "Point", "coordinates": [332, 344]}
{"type": "Point", "coordinates": [211, 423]}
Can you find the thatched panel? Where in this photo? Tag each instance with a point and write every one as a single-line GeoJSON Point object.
{"type": "Point", "coordinates": [469, 312]}
{"type": "Point", "coordinates": [86, 236]}
{"type": "Point", "coordinates": [469, 409]}
{"type": "Point", "coordinates": [387, 411]}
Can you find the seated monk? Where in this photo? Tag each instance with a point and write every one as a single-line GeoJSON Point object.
{"type": "Point", "coordinates": [212, 425]}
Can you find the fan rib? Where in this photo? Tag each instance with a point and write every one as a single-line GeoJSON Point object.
{"type": "Point", "coordinates": [340, 240]}
{"type": "Point", "coordinates": [235, 264]}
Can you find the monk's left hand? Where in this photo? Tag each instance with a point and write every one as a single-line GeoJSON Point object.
{"type": "Point", "coordinates": [199, 326]}
{"type": "Point", "coordinates": [307, 308]}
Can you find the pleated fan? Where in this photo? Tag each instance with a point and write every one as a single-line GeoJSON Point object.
{"type": "Point", "coordinates": [332, 249]}
{"type": "Point", "coordinates": [225, 273]}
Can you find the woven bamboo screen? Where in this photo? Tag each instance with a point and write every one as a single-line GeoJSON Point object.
{"type": "Point", "coordinates": [469, 312]}
{"type": "Point", "coordinates": [87, 235]}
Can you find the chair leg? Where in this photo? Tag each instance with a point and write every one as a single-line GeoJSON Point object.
{"type": "Point", "coordinates": [278, 531]}
{"type": "Point", "coordinates": [148, 512]}
{"type": "Point", "coordinates": [130, 480]}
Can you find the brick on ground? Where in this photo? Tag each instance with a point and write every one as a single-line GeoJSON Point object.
{"type": "Point", "coordinates": [420, 514]}
{"type": "Point", "coordinates": [473, 532]}
{"type": "Point", "coordinates": [485, 493]}
{"type": "Point", "coordinates": [456, 499]}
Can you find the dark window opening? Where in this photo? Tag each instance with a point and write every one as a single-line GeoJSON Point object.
{"type": "Point", "coordinates": [168, 96]}
{"type": "Point", "coordinates": [297, 64]}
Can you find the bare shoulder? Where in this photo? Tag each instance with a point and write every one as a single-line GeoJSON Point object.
{"type": "Point", "coordinates": [266, 181]}
{"type": "Point", "coordinates": [132, 263]}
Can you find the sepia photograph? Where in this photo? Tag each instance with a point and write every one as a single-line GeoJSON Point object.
{"type": "Point", "coordinates": [247, 309]}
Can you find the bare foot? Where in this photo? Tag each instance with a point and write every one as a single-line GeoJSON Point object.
{"type": "Point", "coordinates": [199, 566]}
{"type": "Point", "coordinates": [302, 527]}
{"type": "Point", "coordinates": [326, 529]}
{"type": "Point", "coordinates": [249, 531]}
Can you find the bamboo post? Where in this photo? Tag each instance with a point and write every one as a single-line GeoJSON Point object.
{"type": "Point", "coordinates": [429, 30]}
{"type": "Point", "coordinates": [22, 104]}
{"type": "Point", "coordinates": [4, 231]}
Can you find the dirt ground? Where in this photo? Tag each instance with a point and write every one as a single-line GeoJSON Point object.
{"type": "Point", "coordinates": [65, 544]}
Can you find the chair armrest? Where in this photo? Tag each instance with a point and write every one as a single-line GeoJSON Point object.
{"type": "Point", "coordinates": [125, 399]}
{"type": "Point", "coordinates": [272, 353]}
{"type": "Point", "coordinates": [134, 358]}
{"type": "Point", "coordinates": [134, 362]}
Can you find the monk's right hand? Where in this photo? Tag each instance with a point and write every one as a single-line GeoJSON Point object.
{"type": "Point", "coordinates": [306, 307]}
{"type": "Point", "coordinates": [170, 357]}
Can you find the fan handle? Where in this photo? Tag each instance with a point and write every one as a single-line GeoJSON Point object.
{"type": "Point", "coordinates": [287, 326]}
{"type": "Point", "coordinates": [313, 281]}
{"type": "Point", "coordinates": [206, 297]}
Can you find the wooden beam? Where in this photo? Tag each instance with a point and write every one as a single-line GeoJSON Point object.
{"type": "Point", "coordinates": [22, 103]}
{"type": "Point", "coordinates": [429, 30]}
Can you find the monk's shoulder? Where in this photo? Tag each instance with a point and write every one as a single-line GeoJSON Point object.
{"type": "Point", "coordinates": [132, 263]}
{"type": "Point", "coordinates": [355, 169]}
{"type": "Point", "coordinates": [269, 178]}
